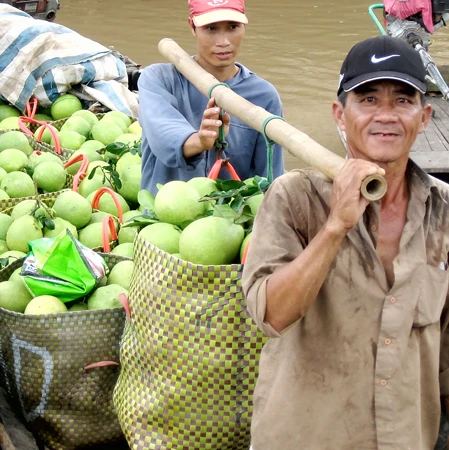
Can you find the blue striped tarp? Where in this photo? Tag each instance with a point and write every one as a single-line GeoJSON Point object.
{"type": "Point", "coordinates": [46, 60]}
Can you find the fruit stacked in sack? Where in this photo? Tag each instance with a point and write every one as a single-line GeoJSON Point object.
{"type": "Point", "coordinates": [61, 275]}
{"type": "Point", "coordinates": [202, 221]}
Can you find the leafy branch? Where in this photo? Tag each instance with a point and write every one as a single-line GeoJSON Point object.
{"type": "Point", "coordinates": [116, 150]}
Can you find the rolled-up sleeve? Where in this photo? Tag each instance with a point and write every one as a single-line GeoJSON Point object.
{"type": "Point", "coordinates": [276, 240]}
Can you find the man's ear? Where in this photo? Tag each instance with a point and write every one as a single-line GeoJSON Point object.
{"type": "Point", "coordinates": [426, 115]}
{"type": "Point", "coordinates": [191, 26]}
{"type": "Point", "coordinates": [338, 112]}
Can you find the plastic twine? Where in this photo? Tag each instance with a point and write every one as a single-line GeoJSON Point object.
{"type": "Point", "coordinates": [270, 144]}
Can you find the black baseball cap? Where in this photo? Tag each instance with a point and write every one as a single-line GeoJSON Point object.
{"type": "Point", "coordinates": [382, 58]}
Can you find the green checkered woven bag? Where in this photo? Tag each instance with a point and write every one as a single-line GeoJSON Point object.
{"type": "Point", "coordinates": [43, 365]}
{"type": "Point", "coordinates": [189, 356]}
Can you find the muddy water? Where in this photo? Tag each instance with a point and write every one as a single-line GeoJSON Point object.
{"type": "Point", "coordinates": [296, 45]}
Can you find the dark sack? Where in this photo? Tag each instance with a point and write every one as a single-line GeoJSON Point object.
{"type": "Point", "coordinates": [189, 356]}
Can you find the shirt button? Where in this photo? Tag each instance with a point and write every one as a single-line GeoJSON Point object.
{"type": "Point", "coordinates": [373, 228]}
{"type": "Point", "coordinates": [388, 341]}
{"type": "Point", "coordinates": [383, 382]}
{"type": "Point", "coordinates": [393, 300]}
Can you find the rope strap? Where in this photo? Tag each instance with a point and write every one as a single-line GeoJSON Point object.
{"type": "Point", "coordinates": [270, 144]}
{"type": "Point", "coordinates": [209, 93]}
{"type": "Point", "coordinates": [220, 144]}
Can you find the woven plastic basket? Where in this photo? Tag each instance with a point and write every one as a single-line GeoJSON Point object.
{"type": "Point", "coordinates": [189, 356]}
{"type": "Point", "coordinates": [44, 360]}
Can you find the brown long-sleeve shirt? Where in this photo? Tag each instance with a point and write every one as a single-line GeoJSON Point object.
{"type": "Point", "coordinates": [365, 367]}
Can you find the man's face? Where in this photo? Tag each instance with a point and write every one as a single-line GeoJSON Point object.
{"type": "Point", "coordinates": [381, 120]}
{"type": "Point", "coordinates": [218, 44]}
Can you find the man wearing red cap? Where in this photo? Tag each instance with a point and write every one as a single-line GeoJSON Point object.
{"type": "Point", "coordinates": [353, 294]}
{"type": "Point", "coordinates": [180, 125]}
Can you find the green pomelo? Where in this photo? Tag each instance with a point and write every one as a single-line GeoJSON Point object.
{"type": "Point", "coordinates": [64, 106]}
{"type": "Point", "coordinates": [244, 245]}
{"type": "Point", "coordinates": [107, 204]}
{"type": "Point", "coordinates": [91, 166]}
{"type": "Point", "coordinates": [127, 234]}
{"type": "Point", "coordinates": [2, 174]}
{"type": "Point", "coordinates": [60, 226]}
{"type": "Point", "coordinates": [45, 304]}
{"type": "Point", "coordinates": [130, 214]}
{"type": "Point", "coordinates": [46, 135]}
{"type": "Point", "coordinates": [43, 117]}
{"type": "Point", "coordinates": [8, 111]}
{"type": "Point", "coordinates": [23, 230]}
{"type": "Point", "coordinates": [12, 255]}
{"type": "Point", "coordinates": [92, 144]}
{"type": "Point", "coordinates": [162, 235]}
{"type": "Point", "coordinates": [10, 123]}
{"type": "Point", "coordinates": [80, 306]}
{"type": "Point", "coordinates": [22, 208]}
{"type": "Point", "coordinates": [3, 246]}
{"type": "Point", "coordinates": [121, 274]}
{"type": "Point", "coordinates": [74, 208]}
{"type": "Point", "coordinates": [254, 203]}
{"type": "Point", "coordinates": [106, 132]}
{"type": "Point", "coordinates": [86, 115]}
{"type": "Point", "coordinates": [211, 241]}
{"type": "Point", "coordinates": [106, 297]}
{"type": "Point", "coordinates": [14, 296]}
{"type": "Point", "coordinates": [15, 139]}
{"type": "Point", "coordinates": [103, 282]}
{"type": "Point", "coordinates": [128, 159]}
{"type": "Point", "coordinates": [177, 202]}
{"type": "Point", "coordinates": [126, 249]}
{"type": "Point", "coordinates": [92, 235]}
{"type": "Point", "coordinates": [35, 159]}
{"type": "Point", "coordinates": [115, 121]}
{"type": "Point", "coordinates": [3, 194]}
{"type": "Point", "coordinates": [88, 186]}
{"type": "Point", "coordinates": [91, 155]}
{"type": "Point", "coordinates": [69, 139]}
{"type": "Point", "coordinates": [128, 138]}
{"type": "Point", "coordinates": [5, 222]}
{"type": "Point", "coordinates": [98, 216]}
{"type": "Point", "coordinates": [204, 186]}
{"type": "Point", "coordinates": [15, 276]}
{"type": "Point", "coordinates": [130, 176]}
{"type": "Point", "coordinates": [78, 124]}
{"type": "Point", "coordinates": [13, 160]}
{"type": "Point", "coordinates": [49, 176]}
{"type": "Point", "coordinates": [118, 115]}
{"type": "Point", "coordinates": [17, 184]}
{"type": "Point", "coordinates": [135, 128]}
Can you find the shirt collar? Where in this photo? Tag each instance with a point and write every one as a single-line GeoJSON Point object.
{"type": "Point", "coordinates": [421, 183]}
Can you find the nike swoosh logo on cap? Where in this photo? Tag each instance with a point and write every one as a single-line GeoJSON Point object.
{"type": "Point", "coordinates": [376, 60]}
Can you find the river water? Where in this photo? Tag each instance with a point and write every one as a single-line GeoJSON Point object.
{"type": "Point", "coordinates": [296, 45]}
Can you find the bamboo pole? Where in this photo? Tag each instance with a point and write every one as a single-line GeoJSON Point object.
{"type": "Point", "coordinates": [291, 139]}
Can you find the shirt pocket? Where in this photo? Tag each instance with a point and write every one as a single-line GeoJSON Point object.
{"type": "Point", "coordinates": [433, 286]}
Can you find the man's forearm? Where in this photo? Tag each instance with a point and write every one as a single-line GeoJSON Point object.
{"type": "Point", "coordinates": [292, 288]}
{"type": "Point", "coordinates": [192, 146]}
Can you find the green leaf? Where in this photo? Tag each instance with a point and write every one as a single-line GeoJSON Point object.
{"type": "Point", "coordinates": [48, 223]}
{"type": "Point", "coordinates": [224, 211]}
{"type": "Point", "coordinates": [237, 202]}
{"type": "Point", "coordinates": [145, 198]}
{"type": "Point", "coordinates": [116, 148]}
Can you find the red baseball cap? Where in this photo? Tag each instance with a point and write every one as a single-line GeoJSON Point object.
{"type": "Point", "coordinates": [205, 12]}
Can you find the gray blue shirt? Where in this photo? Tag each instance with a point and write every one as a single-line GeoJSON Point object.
{"type": "Point", "coordinates": [171, 109]}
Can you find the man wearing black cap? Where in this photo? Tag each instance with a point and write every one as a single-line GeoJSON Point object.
{"type": "Point", "coordinates": [354, 295]}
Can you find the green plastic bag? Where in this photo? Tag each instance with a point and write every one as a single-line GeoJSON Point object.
{"type": "Point", "coordinates": [62, 267]}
